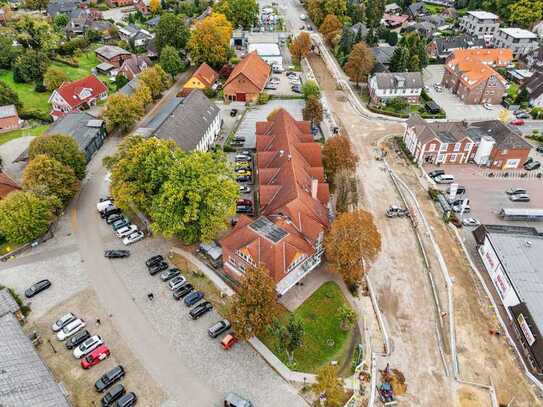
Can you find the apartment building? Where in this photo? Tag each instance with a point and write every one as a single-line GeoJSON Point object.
{"type": "Point", "coordinates": [520, 41]}
{"type": "Point", "coordinates": [480, 24]}
{"type": "Point", "coordinates": [386, 86]}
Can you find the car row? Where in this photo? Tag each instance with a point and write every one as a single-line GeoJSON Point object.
{"type": "Point", "coordinates": [121, 225]}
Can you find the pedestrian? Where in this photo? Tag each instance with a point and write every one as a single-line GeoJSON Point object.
{"type": "Point", "coordinates": [150, 296]}
{"type": "Point", "coordinates": [98, 322]}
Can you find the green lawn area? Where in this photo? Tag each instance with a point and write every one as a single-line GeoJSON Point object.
{"type": "Point", "coordinates": [324, 340]}
{"type": "Point", "coordinates": [87, 61]}
{"type": "Point", "coordinates": [34, 131]}
{"type": "Point", "coordinates": [433, 8]}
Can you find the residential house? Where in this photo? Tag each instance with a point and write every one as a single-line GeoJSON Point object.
{"type": "Point", "coordinates": [62, 7]}
{"type": "Point", "coordinates": [480, 24]}
{"type": "Point", "coordinates": [77, 95]}
{"type": "Point", "coordinates": [26, 379]}
{"type": "Point", "coordinates": [416, 10]}
{"type": "Point", "coordinates": [102, 27]}
{"type": "Point", "coordinates": [143, 7]}
{"type": "Point", "coordinates": [442, 47]}
{"type": "Point", "coordinates": [81, 20]}
{"type": "Point", "coordinates": [135, 35]}
{"type": "Point", "coordinates": [534, 59]}
{"type": "Point", "coordinates": [489, 143]}
{"type": "Point", "coordinates": [445, 3]}
{"type": "Point", "coordinates": [203, 78]}
{"type": "Point", "coordinates": [520, 41]}
{"type": "Point", "coordinates": [538, 30]}
{"type": "Point", "coordinates": [132, 66]}
{"type": "Point", "coordinates": [450, 12]}
{"type": "Point", "coordinates": [119, 3]}
{"type": "Point", "coordinates": [534, 86]}
{"type": "Point", "coordinates": [393, 21]}
{"type": "Point", "coordinates": [383, 56]}
{"type": "Point", "coordinates": [9, 119]}
{"type": "Point", "coordinates": [469, 74]}
{"type": "Point", "coordinates": [404, 85]}
{"type": "Point", "coordinates": [7, 185]}
{"type": "Point", "coordinates": [112, 55]}
{"type": "Point", "coordinates": [130, 87]}
{"type": "Point", "coordinates": [88, 131]}
{"type": "Point", "coordinates": [293, 197]}
{"type": "Point", "coordinates": [426, 29]}
{"type": "Point", "coordinates": [9, 305]}
{"type": "Point", "coordinates": [247, 80]}
{"type": "Point", "coordinates": [393, 8]}
{"type": "Point", "coordinates": [193, 122]}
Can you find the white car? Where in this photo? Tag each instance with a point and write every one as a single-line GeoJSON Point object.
{"type": "Point", "coordinates": [100, 206]}
{"type": "Point", "coordinates": [303, 17]}
{"type": "Point", "coordinates": [63, 321]}
{"type": "Point", "coordinates": [70, 329]}
{"type": "Point", "coordinates": [274, 80]}
{"type": "Point", "coordinates": [126, 231]}
{"type": "Point", "coordinates": [458, 208]}
{"type": "Point", "coordinates": [487, 106]}
{"type": "Point", "coordinates": [88, 346]}
{"type": "Point", "coordinates": [470, 222]}
{"type": "Point", "coordinates": [133, 238]}
{"type": "Point", "coordinates": [177, 282]}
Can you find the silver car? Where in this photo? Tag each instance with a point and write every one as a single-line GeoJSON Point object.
{"type": "Point", "coordinates": [177, 282]}
{"type": "Point", "coordinates": [63, 321]}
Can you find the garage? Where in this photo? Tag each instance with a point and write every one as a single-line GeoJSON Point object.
{"type": "Point", "coordinates": [240, 97]}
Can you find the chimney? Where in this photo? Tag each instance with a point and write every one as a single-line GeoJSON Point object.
{"type": "Point", "coordinates": [314, 187]}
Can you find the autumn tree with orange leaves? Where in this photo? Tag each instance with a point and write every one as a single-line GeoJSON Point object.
{"type": "Point", "coordinates": [331, 28]}
{"type": "Point", "coordinates": [300, 46]}
{"type": "Point", "coordinates": [353, 241]}
{"type": "Point", "coordinates": [337, 154]}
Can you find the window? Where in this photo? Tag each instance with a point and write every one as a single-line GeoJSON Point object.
{"type": "Point", "coordinates": [443, 147]}
{"type": "Point", "coordinates": [431, 147]}
{"type": "Point", "coordinates": [453, 158]}
{"type": "Point", "coordinates": [467, 147]}
{"type": "Point", "coordinates": [248, 259]}
{"type": "Point", "coordinates": [457, 146]}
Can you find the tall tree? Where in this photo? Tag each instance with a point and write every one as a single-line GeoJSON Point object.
{"type": "Point", "coordinates": [60, 21]}
{"type": "Point", "coordinates": [62, 148]}
{"type": "Point", "coordinates": [8, 53]}
{"type": "Point", "coordinates": [331, 28]}
{"type": "Point", "coordinates": [143, 96]}
{"type": "Point", "coordinates": [241, 13]}
{"type": "Point", "coordinates": [122, 112]}
{"type": "Point", "coordinates": [253, 306]}
{"type": "Point", "coordinates": [54, 77]}
{"type": "Point", "coordinates": [313, 109]}
{"type": "Point", "coordinates": [315, 10]}
{"type": "Point", "coordinates": [154, 6]}
{"type": "Point", "coordinates": [374, 13]}
{"type": "Point", "coordinates": [170, 61]}
{"type": "Point", "coordinates": [24, 217]}
{"type": "Point", "coordinates": [300, 46]}
{"type": "Point", "coordinates": [36, 33]}
{"type": "Point", "coordinates": [525, 13]}
{"type": "Point", "coordinates": [289, 337]}
{"type": "Point", "coordinates": [335, 7]}
{"type": "Point", "coordinates": [210, 40]}
{"type": "Point", "coordinates": [198, 198]}
{"type": "Point", "coordinates": [8, 96]}
{"type": "Point", "coordinates": [337, 155]}
{"type": "Point", "coordinates": [310, 88]}
{"type": "Point", "coordinates": [352, 240]}
{"type": "Point", "coordinates": [49, 178]}
{"type": "Point", "coordinates": [414, 64]}
{"type": "Point", "coordinates": [30, 66]}
{"type": "Point", "coordinates": [399, 60]}
{"type": "Point", "coordinates": [360, 63]}
{"type": "Point", "coordinates": [171, 30]}
{"type": "Point", "coordinates": [156, 79]}
{"type": "Point", "coordinates": [36, 4]}
{"type": "Point", "coordinates": [329, 387]}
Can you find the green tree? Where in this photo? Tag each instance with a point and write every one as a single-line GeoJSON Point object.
{"type": "Point", "coordinates": [335, 7]}
{"type": "Point", "coordinates": [62, 148]}
{"type": "Point", "coordinates": [254, 305]}
{"type": "Point", "coordinates": [143, 96]}
{"type": "Point", "coordinates": [329, 386]}
{"type": "Point", "coordinates": [170, 61]}
{"type": "Point", "coordinates": [346, 316]}
{"type": "Point", "coordinates": [30, 66]}
{"type": "Point", "coordinates": [197, 200]}
{"type": "Point", "coordinates": [60, 21]}
{"type": "Point", "coordinates": [399, 60]}
{"type": "Point", "coordinates": [36, 33]}
{"type": "Point", "coordinates": [315, 10]}
{"type": "Point", "coordinates": [54, 77]}
{"type": "Point", "coordinates": [172, 31]}
{"type": "Point", "coordinates": [525, 13]}
{"type": "Point", "coordinates": [310, 88]}
{"type": "Point", "coordinates": [8, 53]}
{"type": "Point", "coordinates": [289, 337]}
{"type": "Point", "coordinates": [120, 81]}
{"type": "Point", "coordinates": [210, 40]}
{"type": "Point", "coordinates": [374, 12]}
{"type": "Point", "coordinates": [156, 79]}
{"type": "Point", "coordinates": [241, 13]}
{"type": "Point", "coordinates": [24, 217]}
{"type": "Point", "coordinates": [121, 112]}
{"type": "Point", "coordinates": [36, 4]}
{"type": "Point", "coordinates": [360, 63]}
{"type": "Point", "coordinates": [414, 64]}
{"type": "Point", "coordinates": [47, 177]}
{"type": "Point", "coordinates": [8, 96]}
{"type": "Point", "coordinates": [312, 110]}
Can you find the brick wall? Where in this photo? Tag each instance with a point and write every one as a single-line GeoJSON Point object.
{"type": "Point", "coordinates": [9, 123]}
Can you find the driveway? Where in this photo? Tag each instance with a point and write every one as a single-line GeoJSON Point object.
{"type": "Point", "coordinates": [118, 14]}
{"type": "Point", "coordinates": [451, 104]}
{"type": "Point", "coordinates": [9, 152]}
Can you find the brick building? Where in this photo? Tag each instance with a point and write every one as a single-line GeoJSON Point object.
{"type": "Point", "coordinates": [247, 80]}
{"type": "Point", "coordinates": [9, 119]}
{"type": "Point", "coordinates": [133, 66]}
{"type": "Point", "coordinates": [470, 75]}
{"type": "Point", "coordinates": [112, 54]}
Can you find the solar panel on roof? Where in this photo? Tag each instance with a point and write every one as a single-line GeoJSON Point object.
{"type": "Point", "coordinates": [268, 229]}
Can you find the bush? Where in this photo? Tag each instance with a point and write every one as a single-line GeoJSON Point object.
{"type": "Point", "coordinates": [263, 98]}
{"type": "Point", "coordinates": [25, 309]}
{"type": "Point", "coordinates": [210, 93]}
{"type": "Point", "coordinates": [31, 114]}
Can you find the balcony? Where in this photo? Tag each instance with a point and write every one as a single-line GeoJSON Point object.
{"type": "Point", "coordinates": [298, 273]}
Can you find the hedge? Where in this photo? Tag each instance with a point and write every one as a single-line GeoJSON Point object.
{"type": "Point", "coordinates": [32, 114]}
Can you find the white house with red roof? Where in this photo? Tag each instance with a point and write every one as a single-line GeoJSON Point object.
{"type": "Point", "coordinates": [77, 96]}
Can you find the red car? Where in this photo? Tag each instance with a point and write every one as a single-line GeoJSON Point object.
{"type": "Point", "coordinates": [517, 122]}
{"type": "Point", "coordinates": [247, 202]}
{"type": "Point", "coordinates": [228, 341]}
{"type": "Point", "coordinates": [95, 357]}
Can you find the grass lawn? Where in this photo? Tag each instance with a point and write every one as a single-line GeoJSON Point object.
{"type": "Point", "coordinates": [87, 61]}
{"type": "Point", "coordinates": [27, 95]}
{"type": "Point", "coordinates": [324, 340]}
{"type": "Point", "coordinates": [433, 8]}
{"type": "Point", "coordinates": [34, 131]}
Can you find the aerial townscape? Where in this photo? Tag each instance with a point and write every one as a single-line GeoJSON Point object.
{"type": "Point", "coordinates": [271, 203]}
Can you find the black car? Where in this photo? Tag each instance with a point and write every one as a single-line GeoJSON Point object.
{"type": "Point", "coordinates": [113, 395]}
{"type": "Point", "coordinates": [193, 298]}
{"type": "Point", "coordinates": [200, 310]}
{"type": "Point", "coordinates": [110, 210]}
{"type": "Point", "coordinates": [183, 291]}
{"type": "Point", "coordinates": [37, 288]}
{"type": "Point", "coordinates": [243, 178]}
{"type": "Point", "coordinates": [154, 260]}
{"type": "Point", "coordinates": [233, 112]}
{"type": "Point", "coordinates": [114, 218]}
{"type": "Point", "coordinates": [77, 339]}
{"type": "Point", "coordinates": [532, 165]}
{"type": "Point", "coordinates": [158, 267]}
{"type": "Point", "coordinates": [435, 173]}
{"type": "Point", "coordinates": [169, 274]}
{"type": "Point", "coordinates": [539, 149]}
{"type": "Point", "coordinates": [128, 400]}
{"type": "Point", "coordinates": [116, 254]}
{"type": "Point", "coordinates": [108, 379]}
{"type": "Point", "coordinates": [244, 209]}
{"type": "Point", "coordinates": [121, 223]}
{"type": "Point", "coordinates": [218, 328]}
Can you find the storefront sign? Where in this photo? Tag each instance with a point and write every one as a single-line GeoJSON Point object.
{"type": "Point", "coordinates": [526, 329]}
{"type": "Point", "coordinates": [488, 256]}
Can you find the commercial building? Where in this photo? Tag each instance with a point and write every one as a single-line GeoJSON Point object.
{"type": "Point", "coordinates": [512, 257]}
{"type": "Point", "coordinates": [520, 41]}
{"type": "Point", "coordinates": [385, 86]}
{"type": "Point", "coordinates": [247, 80]}
{"type": "Point", "coordinates": [480, 24]}
{"type": "Point", "coordinates": [269, 52]}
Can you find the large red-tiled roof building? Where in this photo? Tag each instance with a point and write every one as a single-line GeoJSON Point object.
{"type": "Point", "coordinates": [287, 237]}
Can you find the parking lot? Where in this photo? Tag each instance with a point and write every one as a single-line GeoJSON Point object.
{"type": "Point", "coordinates": [283, 85]}
{"type": "Point", "coordinates": [451, 104]}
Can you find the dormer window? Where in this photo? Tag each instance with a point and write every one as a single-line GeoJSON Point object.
{"type": "Point", "coordinates": [85, 93]}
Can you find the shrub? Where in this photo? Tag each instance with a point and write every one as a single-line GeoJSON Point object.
{"type": "Point", "coordinates": [263, 98]}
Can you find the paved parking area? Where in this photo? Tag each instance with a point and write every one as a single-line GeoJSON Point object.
{"type": "Point", "coordinates": [261, 112]}
{"type": "Point", "coordinates": [228, 121]}
{"type": "Point", "coordinates": [451, 104]}
{"type": "Point", "coordinates": [284, 88]}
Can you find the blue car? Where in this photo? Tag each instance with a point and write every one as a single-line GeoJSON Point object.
{"type": "Point", "coordinates": [193, 298]}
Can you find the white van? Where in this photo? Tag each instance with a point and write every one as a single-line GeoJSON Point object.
{"type": "Point", "coordinates": [100, 206]}
{"type": "Point", "coordinates": [444, 179]}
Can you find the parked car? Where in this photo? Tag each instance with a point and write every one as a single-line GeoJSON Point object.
{"type": "Point", "coordinates": [534, 165]}
{"type": "Point", "coordinates": [539, 149]}
{"type": "Point", "coordinates": [113, 395]}
{"type": "Point", "coordinates": [487, 106]}
{"type": "Point", "coordinates": [109, 379]}
{"type": "Point", "coordinates": [183, 291]}
{"type": "Point", "coordinates": [517, 122]}
{"type": "Point", "coordinates": [458, 208]}
{"type": "Point", "coordinates": [63, 321]}
{"type": "Point", "coordinates": [242, 157]}
{"type": "Point", "coordinates": [247, 202]}
{"type": "Point", "coordinates": [154, 260]}
{"type": "Point", "coordinates": [239, 139]}
{"type": "Point", "coordinates": [133, 238]}
{"type": "Point", "coordinates": [116, 254]}
{"type": "Point", "coordinates": [522, 115]}
{"type": "Point", "coordinates": [110, 210]}
{"type": "Point", "coordinates": [274, 79]}
{"type": "Point", "coordinates": [235, 400]}
{"type": "Point", "coordinates": [218, 328]}
{"type": "Point", "coordinates": [242, 172]}
{"type": "Point", "coordinates": [103, 204]}
{"type": "Point", "coordinates": [177, 282]}
{"type": "Point", "coordinates": [519, 198]}
{"type": "Point", "coordinates": [444, 179]}
{"type": "Point", "coordinates": [244, 209]}
{"type": "Point", "coordinates": [169, 274]}
{"type": "Point", "coordinates": [96, 356]}
{"type": "Point", "coordinates": [513, 191]}
{"type": "Point", "coordinates": [271, 86]}
{"type": "Point", "coordinates": [200, 309]}
{"type": "Point", "coordinates": [396, 212]}
{"type": "Point", "coordinates": [243, 178]}
{"type": "Point", "coordinates": [88, 346]}
{"type": "Point", "coordinates": [296, 88]}
{"type": "Point", "coordinates": [244, 189]}
{"type": "Point", "coordinates": [438, 88]}
{"type": "Point", "coordinates": [228, 341]}
{"type": "Point", "coordinates": [277, 69]}
{"type": "Point", "coordinates": [435, 173]}
{"type": "Point", "coordinates": [71, 329]}
{"type": "Point", "coordinates": [77, 339]}
{"type": "Point", "coordinates": [241, 164]}
{"type": "Point", "coordinates": [126, 230]}
{"type": "Point", "coordinates": [470, 222]}
{"type": "Point", "coordinates": [37, 288]}
{"type": "Point", "coordinates": [114, 218]}
{"type": "Point", "coordinates": [128, 400]}
{"type": "Point", "coordinates": [121, 223]}
{"type": "Point", "coordinates": [233, 112]}
{"type": "Point", "coordinates": [193, 298]}
{"type": "Point", "coordinates": [157, 267]}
